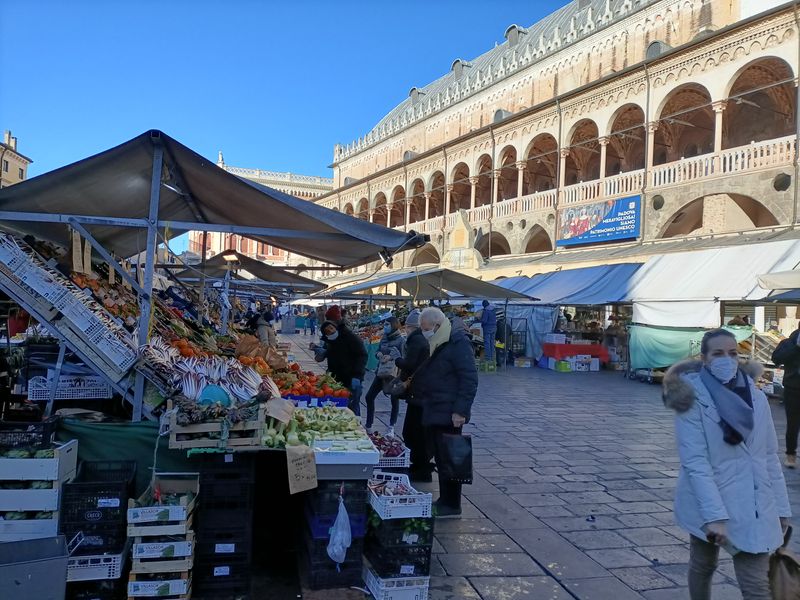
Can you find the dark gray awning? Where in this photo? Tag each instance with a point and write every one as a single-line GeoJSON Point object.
{"type": "Point", "coordinates": [115, 184]}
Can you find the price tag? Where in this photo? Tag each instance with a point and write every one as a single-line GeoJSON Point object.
{"type": "Point", "coordinates": [406, 569]}
{"type": "Point", "coordinates": [410, 538]}
{"type": "Point", "coordinates": [224, 548]}
{"type": "Point", "coordinates": [87, 257]}
{"type": "Point", "coordinates": [229, 458]}
{"type": "Point", "coordinates": [108, 503]}
{"type": "Point", "coordinates": [77, 257]}
{"type": "Point", "coordinates": [280, 409]}
{"type": "Point", "coordinates": [302, 468]}
{"type": "Point", "coordinates": [221, 571]}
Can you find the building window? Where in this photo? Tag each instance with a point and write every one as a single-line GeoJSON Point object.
{"type": "Point", "coordinates": [21, 174]}
{"type": "Point", "coordinates": [5, 166]}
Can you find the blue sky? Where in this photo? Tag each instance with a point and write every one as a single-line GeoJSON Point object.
{"type": "Point", "coordinates": [273, 84]}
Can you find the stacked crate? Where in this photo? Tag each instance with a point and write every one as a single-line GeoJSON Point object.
{"type": "Point", "coordinates": [398, 544]}
{"type": "Point", "coordinates": [321, 510]}
{"type": "Point", "coordinates": [225, 526]}
{"type": "Point", "coordinates": [163, 538]}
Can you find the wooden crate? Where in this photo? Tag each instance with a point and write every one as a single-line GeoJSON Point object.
{"type": "Point", "coordinates": [61, 467]}
{"type": "Point", "coordinates": [242, 436]}
{"type": "Point", "coordinates": [143, 585]}
{"type": "Point", "coordinates": [149, 557]}
{"type": "Point", "coordinates": [157, 520]}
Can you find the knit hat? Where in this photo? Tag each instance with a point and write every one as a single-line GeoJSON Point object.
{"type": "Point", "coordinates": [412, 320]}
{"type": "Point", "coordinates": [334, 313]}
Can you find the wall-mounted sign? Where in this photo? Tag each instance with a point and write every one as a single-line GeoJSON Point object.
{"type": "Point", "coordinates": [600, 222]}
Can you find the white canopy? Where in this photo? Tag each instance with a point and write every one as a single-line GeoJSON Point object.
{"type": "Point", "coordinates": [781, 280]}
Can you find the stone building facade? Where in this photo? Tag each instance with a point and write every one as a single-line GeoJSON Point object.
{"type": "Point", "coordinates": [13, 165]}
{"type": "Point", "coordinates": [689, 106]}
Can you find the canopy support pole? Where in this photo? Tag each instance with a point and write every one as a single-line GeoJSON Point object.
{"type": "Point", "coordinates": [225, 310]}
{"type": "Point", "coordinates": [200, 309]}
{"type": "Point", "coordinates": [150, 256]}
{"type": "Point", "coordinates": [62, 349]}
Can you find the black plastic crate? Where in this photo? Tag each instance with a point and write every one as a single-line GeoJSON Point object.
{"type": "Point", "coordinates": [35, 435]}
{"type": "Point", "coordinates": [226, 467]}
{"type": "Point", "coordinates": [224, 542]}
{"type": "Point", "coordinates": [108, 470]}
{"type": "Point", "coordinates": [220, 570]}
{"type": "Point", "coordinates": [399, 532]}
{"type": "Point", "coordinates": [320, 525]}
{"type": "Point", "coordinates": [105, 589]}
{"type": "Point", "coordinates": [324, 500]}
{"type": "Point", "coordinates": [326, 576]}
{"type": "Point", "coordinates": [94, 502]}
{"type": "Point", "coordinates": [98, 538]}
{"type": "Point", "coordinates": [234, 589]}
{"type": "Point", "coordinates": [230, 495]}
{"type": "Point", "coordinates": [317, 551]}
{"type": "Point", "coordinates": [217, 519]}
{"type": "Point", "coordinates": [408, 561]}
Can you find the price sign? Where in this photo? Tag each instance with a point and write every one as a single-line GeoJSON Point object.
{"type": "Point", "coordinates": [77, 253]}
{"type": "Point", "coordinates": [302, 467]}
{"type": "Point", "coordinates": [280, 409]}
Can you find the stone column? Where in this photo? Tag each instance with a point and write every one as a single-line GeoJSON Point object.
{"type": "Point", "coordinates": [427, 205]}
{"type": "Point", "coordinates": [473, 188]}
{"type": "Point", "coordinates": [409, 200]}
{"type": "Point", "coordinates": [495, 197]}
{"type": "Point", "coordinates": [652, 127]}
{"type": "Point", "coordinates": [719, 108]}
{"type": "Point", "coordinates": [389, 206]}
{"type": "Point", "coordinates": [520, 178]}
{"type": "Point", "coordinates": [448, 192]}
{"type": "Point", "coordinates": [562, 168]}
{"type": "Point", "coordinates": [603, 141]}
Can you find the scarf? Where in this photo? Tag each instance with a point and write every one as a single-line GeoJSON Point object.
{"type": "Point", "coordinates": [442, 336]}
{"type": "Point", "coordinates": [735, 410]}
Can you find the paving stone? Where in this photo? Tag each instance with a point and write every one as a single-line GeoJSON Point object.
{"type": "Point", "coordinates": [594, 540]}
{"type": "Point", "coordinates": [551, 471]}
{"type": "Point", "coordinates": [505, 512]}
{"type": "Point", "coordinates": [484, 525]}
{"type": "Point", "coordinates": [665, 555]}
{"type": "Point", "coordinates": [639, 507]}
{"type": "Point", "coordinates": [549, 511]}
{"type": "Point", "coordinates": [537, 499]}
{"type": "Point", "coordinates": [437, 547]}
{"type": "Point", "coordinates": [557, 554]}
{"type": "Point", "coordinates": [582, 524]}
{"type": "Point", "coordinates": [604, 588]}
{"type": "Point", "coordinates": [452, 588]}
{"type": "Point", "coordinates": [588, 497]}
{"type": "Point", "coordinates": [584, 510]}
{"type": "Point", "coordinates": [658, 483]}
{"type": "Point", "coordinates": [530, 488]}
{"type": "Point", "coordinates": [437, 570]}
{"type": "Point", "coordinates": [642, 578]}
{"type": "Point", "coordinates": [637, 520]}
{"type": "Point", "coordinates": [474, 565]}
{"type": "Point", "coordinates": [520, 588]}
{"type": "Point", "coordinates": [614, 558]}
{"type": "Point", "coordinates": [649, 536]}
{"type": "Point", "coordinates": [669, 594]}
{"type": "Point", "coordinates": [636, 495]}
{"type": "Point", "coordinates": [477, 542]}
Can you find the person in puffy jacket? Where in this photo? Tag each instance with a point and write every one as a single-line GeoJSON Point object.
{"type": "Point", "coordinates": [731, 492]}
{"type": "Point", "coordinates": [389, 349]}
{"type": "Point", "coordinates": [347, 359]}
{"type": "Point", "coordinates": [445, 385]}
{"type": "Point", "coordinates": [787, 354]}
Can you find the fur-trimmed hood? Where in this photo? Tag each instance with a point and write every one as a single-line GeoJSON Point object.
{"type": "Point", "coordinates": [679, 395]}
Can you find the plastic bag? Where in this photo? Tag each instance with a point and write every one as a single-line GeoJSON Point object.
{"type": "Point", "coordinates": [454, 457]}
{"type": "Point", "coordinates": [784, 571]}
{"type": "Point", "coordinates": [341, 536]}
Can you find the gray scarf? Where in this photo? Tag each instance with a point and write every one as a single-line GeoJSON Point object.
{"type": "Point", "coordinates": [731, 407]}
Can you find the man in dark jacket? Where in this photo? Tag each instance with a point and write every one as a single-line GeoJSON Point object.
{"type": "Point", "coordinates": [787, 354]}
{"type": "Point", "coordinates": [445, 385]}
{"type": "Point", "coordinates": [489, 328]}
{"type": "Point", "coordinates": [347, 359]}
{"type": "Point", "coordinates": [416, 353]}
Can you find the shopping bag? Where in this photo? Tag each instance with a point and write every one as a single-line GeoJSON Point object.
{"type": "Point", "coordinates": [341, 535]}
{"type": "Point", "coordinates": [784, 572]}
{"type": "Point", "coordinates": [454, 457]}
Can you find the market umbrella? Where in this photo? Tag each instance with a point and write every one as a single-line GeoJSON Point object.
{"type": "Point", "coordinates": [780, 280]}
{"type": "Point", "coordinates": [113, 187]}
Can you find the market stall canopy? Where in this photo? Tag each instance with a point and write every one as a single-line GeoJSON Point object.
{"type": "Point", "coordinates": [780, 280]}
{"type": "Point", "coordinates": [432, 284]}
{"type": "Point", "coordinates": [218, 265]}
{"type": "Point", "coordinates": [684, 289]}
{"type": "Point", "coordinates": [110, 192]}
{"type": "Point", "coordinates": [589, 286]}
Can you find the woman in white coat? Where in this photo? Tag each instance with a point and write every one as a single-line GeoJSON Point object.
{"type": "Point", "coordinates": [731, 492]}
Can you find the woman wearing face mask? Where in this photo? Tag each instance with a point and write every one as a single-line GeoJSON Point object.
{"type": "Point", "coordinates": [445, 386]}
{"type": "Point", "coordinates": [731, 492]}
{"type": "Point", "coordinates": [390, 348]}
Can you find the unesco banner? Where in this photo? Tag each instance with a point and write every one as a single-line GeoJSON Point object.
{"type": "Point", "coordinates": [600, 222]}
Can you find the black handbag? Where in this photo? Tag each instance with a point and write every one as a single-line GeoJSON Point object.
{"type": "Point", "coordinates": [454, 457]}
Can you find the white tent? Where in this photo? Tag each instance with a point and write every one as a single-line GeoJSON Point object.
{"type": "Point", "coordinates": [781, 280]}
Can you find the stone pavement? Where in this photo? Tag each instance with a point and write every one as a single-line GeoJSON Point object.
{"type": "Point", "coordinates": [572, 498]}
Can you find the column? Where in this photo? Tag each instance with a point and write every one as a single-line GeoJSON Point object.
{"type": "Point", "coordinates": [603, 141]}
{"type": "Point", "coordinates": [495, 187]}
{"type": "Point", "coordinates": [408, 211]}
{"type": "Point", "coordinates": [473, 189]}
{"type": "Point", "coordinates": [719, 108]}
{"type": "Point", "coordinates": [448, 192]}
{"type": "Point", "coordinates": [652, 127]}
{"type": "Point", "coordinates": [389, 207]}
{"type": "Point", "coordinates": [427, 205]}
{"type": "Point", "coordinates": [562, 167]}
{"type": "Point", "coordinates": [520, 177]}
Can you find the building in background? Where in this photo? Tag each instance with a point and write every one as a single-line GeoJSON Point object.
{"type": "Point", "coordinates": [13, 165]}
{"type": "Point", "coordinates": [306, 187]}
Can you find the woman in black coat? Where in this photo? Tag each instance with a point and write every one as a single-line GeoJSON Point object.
{"type": "Point", "coordinates": [446, 385]}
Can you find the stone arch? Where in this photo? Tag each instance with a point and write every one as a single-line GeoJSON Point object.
{"type": "Point", "coordinates": [537, 240]}
{"type": "Point", "coordinates": [380, 212]}
{"type": "Point", "coordinates": [492, 244]}
{"type": "Point", "coordinates": [583, 162]}
{"type": "Point", "coordinates": [718, 213]}
{"type": "Point", "coordinates": [397, 217]}
{"type": "Point", "coordinates": [362, 209]}
{"type": "Point", "coordinates": [417, 200]}
{"type": "Point", "coordinates": [509, 174]}
{"type": "Point", "coordinates": [626, 140]}
{"type": "Point", "coordinates": [685, 124]}
{"type": "Point", "coordinates": [427, 255]}
{"type": "Point", "coordinates": [483, 189]}
{"type": "Point", "coordinates": [436, 188]}
{"type": "Point", "coordinates": [460, 194]}
{"type": "Point", "coordinates": [541, 168]}
{"type": "Point", "coordinates": [760, 106]}
{"type": "Point", "coordinates": [348, 209]}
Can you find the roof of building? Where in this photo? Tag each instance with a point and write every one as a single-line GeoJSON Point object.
{"type": "Point", "coordinates": [8, 148]}
{"type": "Point", "coordinates": [522, 48]}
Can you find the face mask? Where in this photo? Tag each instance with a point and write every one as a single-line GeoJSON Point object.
{"type": "Point", "coordinates": [724, 368]}
{"type": "Point", "coordinates": [332, 336]}
{"type": "Point", "coordinates": [387, 329]}
{"type": "Point", "coordinates": [428, 334]}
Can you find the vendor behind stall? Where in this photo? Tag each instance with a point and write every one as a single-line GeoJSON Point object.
{"type": "Point", "coordinates": [347, 359]}
{"type": "Point", "coordinates": [266, 333]}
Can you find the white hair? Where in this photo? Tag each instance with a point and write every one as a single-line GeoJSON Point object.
{"type": "Point", "coordinates": [432, 316]}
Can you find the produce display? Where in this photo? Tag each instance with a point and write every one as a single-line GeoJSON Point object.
{"type": "Point", "coordinates": [309, 426]}
{"type": "Point", "coordinates": [388, 446]}
{"type": "Point", "coordinates": [298, 383]}
{"type": "Point", "coordinates": [23, 453]}
{"type": "Point", "coordinates": [26, 516]}
{"type": "Point", "coordinates": [392, 488]}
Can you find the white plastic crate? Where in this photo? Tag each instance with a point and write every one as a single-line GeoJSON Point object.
{"type": "Point", "coordinates": [399, 507]}
{"type": "Point", "coordinates": [70, 387]}
{"type": "Point", "coordinates": [399, 588]}
{"type": "Point", "coordinates": [396, 462]}
{"type": "Point", "coordinates": [99, 566]}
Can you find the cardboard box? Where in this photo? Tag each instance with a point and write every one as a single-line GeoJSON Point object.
{"type": "Point", "coordinates": [523, 362]}
{"type": "Point", "coordinates": [594, 364]}
{"type": "Point", "coordinates": [551, 363]}
{"type": "Point", "coordinates": [562, 366]}
{"type": "Point", "coordinates": [583, 357]}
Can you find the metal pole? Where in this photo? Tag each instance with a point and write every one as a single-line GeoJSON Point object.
{"type": "Point", "coordinates": [150, 255]}
{"type": "Point", "coordinates": [56, 376]}
{"type": "Point", "coordinates": [225, 309]}
{"type": "Point", "coordinates": [201, 309]}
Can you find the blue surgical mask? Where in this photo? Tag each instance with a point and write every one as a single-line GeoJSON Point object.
{"type": "Point", "coordinates": [724, 368]}
{"type": "Point", "coordinates": [387, 329]}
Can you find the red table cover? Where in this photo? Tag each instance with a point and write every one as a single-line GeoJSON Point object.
{"type": "Point", "coordinates": [562, 351]}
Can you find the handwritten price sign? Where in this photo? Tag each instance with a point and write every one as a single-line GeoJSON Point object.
{"type": "Point", "coordinates": [302, 467]}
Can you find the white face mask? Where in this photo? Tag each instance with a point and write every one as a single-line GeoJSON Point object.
{"type": "Point", "coordinates": [332, 336]}
{"type": "Point", "coordinates": [428, 334]}
{"type": "Point", "coordinates": [724, 368]}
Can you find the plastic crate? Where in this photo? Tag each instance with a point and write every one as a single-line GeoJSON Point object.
{"type": "Point", "coordinates": [325, 576]}
{"type": "Point", "coordinates": [224, 542]}
{"type": "Point", "coordinates": [70, 387]}
{"type": "Point", "coordinates": [396, 462]}
{"type": "Point", "coordinates": [94, 502]}
{"type": "Point", "coordinates": [227, 495]}
{"type": "Point", "coordinates": [219, 467]}
{"type": "Point", "coordinates": [33, 435]}
{"type": "Point", "coordinates": [317, 551]}
{"type": "Point", "coordinates": [399, 507]}
{"type": "Point", "coordinates": [106, 589]}
{"type": "Point", "coordinates": [220, 569]}
{"type": "Point", "coordinates": [396, 561]}
{"type": "Point", "coordinates": [34, 568]}
{"type": "Point", "coordinates": [405, 588]}
{"type": "Point", "coordinates": [400, 532]}
{"type": "Point", "coordinates": [221, 590]}
{"type": "Point", "coordinates": [105, 538]}
{"type": "Point", "coordinates": [108, 470]}
{"type": "Point", "coordinates": [93, 567]}
{"type": "Point", "coordinates": [324, 500]}
{"type": "Point", "coordinates": [220, 516]}
{"type": "Point", "coordinates": [320, 525]}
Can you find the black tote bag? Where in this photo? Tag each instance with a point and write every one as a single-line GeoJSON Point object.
{"type": "Point", "coordinates": [454, 457]}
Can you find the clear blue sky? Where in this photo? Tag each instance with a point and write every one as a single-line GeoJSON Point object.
{"type": "Point", "coordinates": [273, 84]}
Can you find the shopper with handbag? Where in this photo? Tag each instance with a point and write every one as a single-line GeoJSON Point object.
{"type": "Point", "coordinates": [731, 492]}
{"type": "Point", "coordinates": [389, 349]}
{"type": "Point", "coordinates": [415, 354]}
{"type": "Point", "coordinates": [445, 385]}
